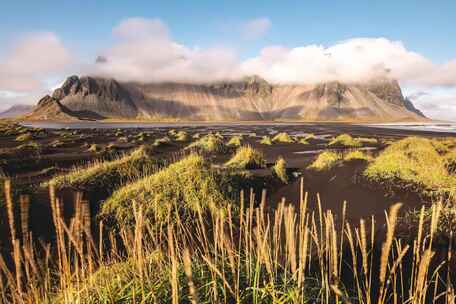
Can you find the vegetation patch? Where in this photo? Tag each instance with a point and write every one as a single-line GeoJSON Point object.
{"type": "Point", "coordinates": [280, 169]}
{"type": "Point", "coordinates": [209, 143]}
{"type": "Point", "coordinates": [414, 162]}
{"type": "Point", "coordinates": [185, 188]}
{"type": "Point", "coordinates": [246, 157]}
{"type": "Point", "coordinates": [25, 137]}
{"type": "Point", "coordinates": [356, 154]}
{"type": "Point", "coordinates": [345, 140]}
{"type": "Point", "coordinates": [235, 141]}
{"type": "Point", "coordinates": [326, 160]}
{"type": "Point", "coordinates": [283, 137]}
{"type": "Point", "coordinates": [162, 141]}
{"type": "Point", "coordinates": [266, 140]}
{"type": "Point", "coordinates": [107, 174]}
{"type": "Point", "coordinates": [182, 136]}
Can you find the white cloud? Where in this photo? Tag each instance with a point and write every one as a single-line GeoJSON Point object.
{"type": "Point", "coordinates": [145, 52]}
{"type": "Point", "coordinates": [354, 60]}
{"type": "Point", "coordinates": [32, 59]}
{"type": "Point", "coordinates": [255, 28]}
{"type": "Point", "coordinates": [436, 102]}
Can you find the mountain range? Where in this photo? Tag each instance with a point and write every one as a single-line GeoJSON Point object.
{"type": "Point", "coordinates": [249, 99]}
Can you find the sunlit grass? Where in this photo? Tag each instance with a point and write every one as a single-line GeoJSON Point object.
{"type": "Point", "coordinates": [246, 157]}
{"type": "Point", "coordinates": [326, 160]}
{"type": "Point", "coordinates": [283, 138]}
{"type": "Point", "coordinates": [413, 162]}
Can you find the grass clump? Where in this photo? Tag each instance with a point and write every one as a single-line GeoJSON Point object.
{"type": "Point", "coordinates": [325, 161]}
{"type": "Point", "coordinates": [356, 154]}
{"type": "Point", "coordinates": [283, 137]}
{"type": "Point", "coordinates": [24, 137]}
{"type": "Point", "coordinates": [185, 188]}
{"type": "Point", "coordinates": [209, 143]}
{"type": "Point", "coordinates": [162, 141]}
{"type": "Point", "coordinates": [303, 141]}
{"type": "Point", "coordinates": [450, 162]}
{"type": "Point", "coordinates": [280, 169]}
{"type": "Point", "coordinates": [266, 140]}
{"type": "Point", "coordinates": [182, 136]}
{"type": "Point", "coordinates": [246, 157]}
{"type": "Point", "coordinates": [235, 141]}
{"type": "Point", "coordinates": [94, 148]}
{"type": "Point", "coordinates": [107, 174]}
{"type": "Point", "coordinates": [413, 162]}
{"type": "Point", "coordinates": [345, 140]}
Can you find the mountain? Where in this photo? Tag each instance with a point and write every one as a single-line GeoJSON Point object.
{"type": "Point", "coordinates": [15, 111]}
{"type": "Point", "coordinates": [409, 106]}
{"type": "Point", "coordinates": [251, 98]}
{"type": "Point", "coordinates": [50, 108]}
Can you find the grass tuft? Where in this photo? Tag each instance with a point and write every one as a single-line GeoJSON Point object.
{"type": "Point", "coordinates": [246, 157]}
{"type": "Point", "coordinates": [235, 141]}
{"type": "Point", "coordinates": [414, 162]}
{"type": "Point", "coordinates": [107, 174]}
{"type": "Point", "coordinates": [280, 169]}
{"type": "Point", "coordinates": [209, 143]}
{"type": "Point", "coordinates": [185, 188]}
{"type": "Point", "coordinates": [283, 137]}
{"type": "Point", "coordinates": [345, 140]}
{"type": "Point", "coordinates": [326, 160]}
{"type": "Point", "coordinates": [266, 140]}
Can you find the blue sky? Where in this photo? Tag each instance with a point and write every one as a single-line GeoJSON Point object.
{"type": "Point", "coordinates": [238, 29]}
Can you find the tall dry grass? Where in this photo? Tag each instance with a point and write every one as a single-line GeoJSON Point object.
{"type": "Point", "coordinates": [248, 254]}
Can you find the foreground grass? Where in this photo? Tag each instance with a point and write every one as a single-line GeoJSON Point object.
{"type": "Point", "coordinates": [291, 255]}
{"type": "Point", "coordinates": [107, 174]}
{"type": "Point", "coordinates": [184, 188]}
{"type": "Point", "coordinates": [417, 163]}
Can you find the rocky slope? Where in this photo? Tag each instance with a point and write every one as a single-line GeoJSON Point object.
{"type": "Point", "coordinates": [50, 108]}
{"type": "Point", "coordinates": [251, 98]}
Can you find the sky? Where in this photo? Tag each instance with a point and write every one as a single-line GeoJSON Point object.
{"type": "Point", "coordinates": [43, 42]}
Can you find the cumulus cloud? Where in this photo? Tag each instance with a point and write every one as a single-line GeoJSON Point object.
{"type": "Point", "coordinates": [32, 59]}
{"type": "Point", "coordinates": [146, 52]}
{"type": "Point", "coordinates": [354, 60]}
{"type": "Point", "coordinates": [255, 28]}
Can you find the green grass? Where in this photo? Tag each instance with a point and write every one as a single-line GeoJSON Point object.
{"type": "Point", "coordinates": [345, 140]}
{"type": "Point", "coordinates": [413, 162]}
{"type": "Point", "coordinates": [162, 141]}
{"type": "Point", "coordinates": [246, 157]}
{"type": "Point", "coordinates": [182, 136]}
{"type": "Point", "coordinates": [450, 162]}
{"type": "Point", "coordinates": [235, 141]}
{"type": "Point", "coordinates": [283, 138]}
{"type": "Point", "coordinates": [25, 137]}
{"type": "Point", "coordinates": [185, 187]}
{"type": "Point", "coordinates": [209, 143]}
{"type": "Point", "coordinates": [107, 174]}
{"type": "Point", "coordinates": [356, 154]}
{"type": "Point", "coordinates": [325, 161]}
{"type": "Point", "coordinates": [94, 148]}
{"type": "Point", "coordinates": [266, 140]}
{"type": "Point", "coordinates": [303, 141]}
{"type": "Point", "coordinates": [280, 169]}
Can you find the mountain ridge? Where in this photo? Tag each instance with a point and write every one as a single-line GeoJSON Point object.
{"type": "Point", "coordinates": [251, 98]}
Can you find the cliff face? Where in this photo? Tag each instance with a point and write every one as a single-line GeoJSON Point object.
{"type": "Point", "coordinates": [251, 98]}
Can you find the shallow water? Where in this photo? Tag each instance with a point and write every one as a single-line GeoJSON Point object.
{"type": "Point", "coordinates": [432, 127]}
